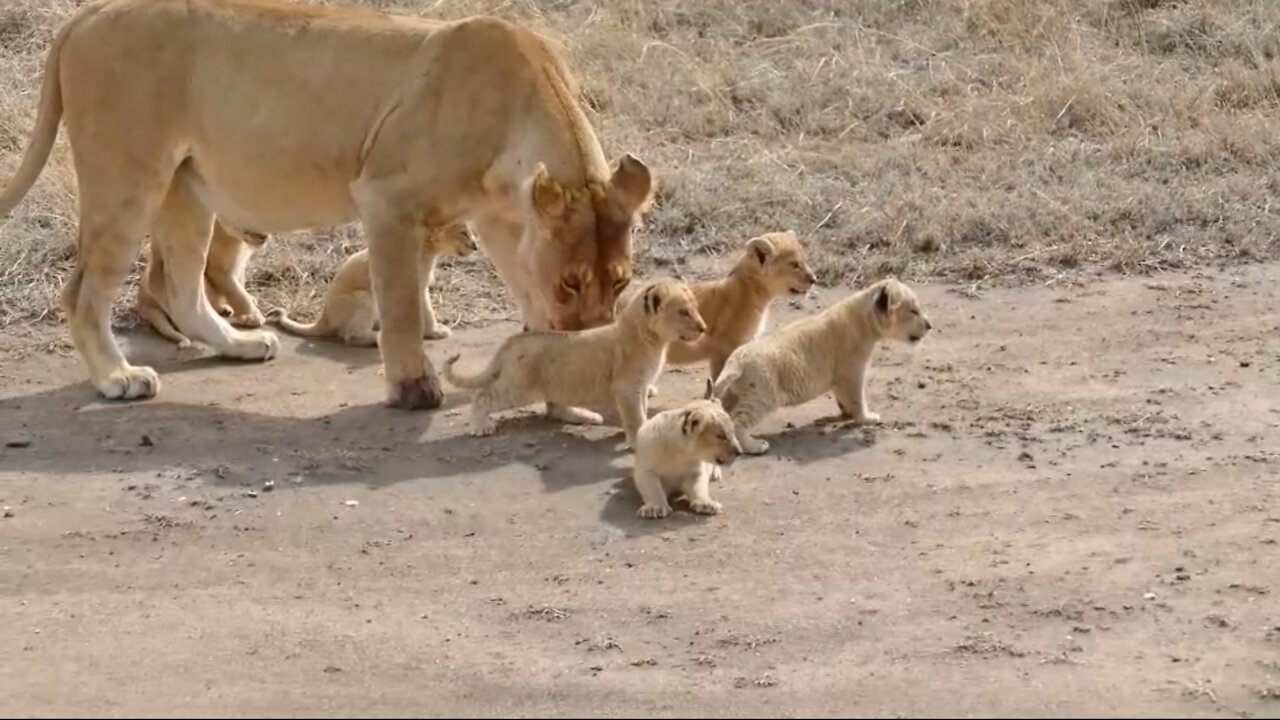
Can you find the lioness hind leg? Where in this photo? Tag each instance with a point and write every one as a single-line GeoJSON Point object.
{"type": "Point", "coordinates": [184, 227]}
{"type": "Point", "coordinates": [114, 216]}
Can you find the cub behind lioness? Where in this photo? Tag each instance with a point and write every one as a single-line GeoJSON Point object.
{"type": "Point", "coordinates": [611, 364]}
{"type": "Point", "coordinates": [349, 311]}
{"type": "Point", "coordinates": [827, 351]}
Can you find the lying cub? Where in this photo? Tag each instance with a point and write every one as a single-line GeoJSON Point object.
{"type": "Point", "coordinates": [682, 450]}
{"type": "Point", "coordinates": [828, 351]}
{"type": "Point", "coordinates": [349, 311]}
{"type": "Point", "coordinates": [612, 363]}
{"type": "Point", "coordinates": [736, 307]}
{"type": "Point", "coordinates": [224, 271]}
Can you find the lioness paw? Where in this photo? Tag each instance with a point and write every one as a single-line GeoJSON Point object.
{"type": "Point", "coordinates": [653, 512]}
{"type": "Point", "coordinates": [421, 393]}
{"type": "Point", "coordinates": [130, 383]}
{"type": "Point", "coordinates": [254, 319]}
{"type": "Point", "coordinates": [705, 507]}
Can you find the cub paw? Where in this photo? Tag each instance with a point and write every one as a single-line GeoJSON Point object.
{"type": "Point", "coordinates": [653, 512]}
{"type": "Point", "coordinates": [705, 507]}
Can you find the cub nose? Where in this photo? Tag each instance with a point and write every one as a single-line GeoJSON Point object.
{"type": "Point", "coordinates": [928, 325]}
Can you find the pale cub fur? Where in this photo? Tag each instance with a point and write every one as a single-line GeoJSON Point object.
{"type": "Point", "coordinates": [349, 310]}
{"type": "Point", "coordinates": [611, 364]}
{"type": "Point", "coordinates": [682, 451]}
{"type": "Point", "coordinates": [828, 351]}
{"type": "Point", "coordinates": [736, 308]}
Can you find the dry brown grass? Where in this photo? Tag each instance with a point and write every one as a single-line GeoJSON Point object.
{"type": "Point", "coordinates": [980, 140]}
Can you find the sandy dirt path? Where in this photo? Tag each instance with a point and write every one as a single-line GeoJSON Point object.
{"type": "Point", "coordinates": [1072, 508]}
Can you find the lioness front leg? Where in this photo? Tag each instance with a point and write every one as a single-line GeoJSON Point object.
{"type": "Point", "coordinates": [395, 248]}
{"type": "Point", "coordinates": [851, 392]}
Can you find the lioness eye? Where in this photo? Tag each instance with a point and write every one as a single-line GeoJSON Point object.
{"type": "Point", "coordinates": [621, 284]}
{"type": "Point", "coordinates": [571, 284]}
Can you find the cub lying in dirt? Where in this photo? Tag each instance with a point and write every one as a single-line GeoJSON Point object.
{"type": "Point", "coordinates": [224, 271]}
{"type": "Point", "coordinates": [736, 308]}
{"type": "Point", "coordinates": [828, 351]}
{"type": "Point", "coordinates": [349, 311]}
{"type": "Point", "coordinates": [682, 451]}
{"type": "Point", "coordinates": [613, 363]}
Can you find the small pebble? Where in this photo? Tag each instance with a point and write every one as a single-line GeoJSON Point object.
{"type": "Point", "coordinates": [146, 441]}
{"type": "Point", "coordinates": [8, 511]}
{"type": "Point", "coordinates": [351, 503]}
{"type": "Point", "coordinates": [1149, 596]}
{"type": "Point", "coordinates": [268, 486]}
{"type": "Point", "coordinates": [18, 443]}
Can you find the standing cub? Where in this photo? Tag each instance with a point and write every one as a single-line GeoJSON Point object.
{"type": "Point", "coordinates": [828, 351]}
{"type": "Point", "coordinates": [349, 311]}
{"type": "Point", "coordinates": [224, 272]}
{"type": "Point", "coordinates": [736, 307]}
{"type": "Point", "coordinates": [612, 363]}
{"type": "Point", "coordinates": [682, 450]}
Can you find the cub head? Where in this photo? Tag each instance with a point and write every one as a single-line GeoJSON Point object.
{"type": "Point", "coordinates": [779, 260]}
{"type": "Point", "coordinates": [577, 242]}
{"type": "Point", "coordinates": [668, 307]}
{"type": "Point", "coordinates": [708, 428]}
{"type": "Point", "coordinates": [452, 241]}
{"type": "Point", "coordinates": [897, 311]}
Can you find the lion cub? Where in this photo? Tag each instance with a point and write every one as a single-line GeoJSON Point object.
{"type": "Point", "coordinates": [683, 450]}
{"type": "Point", "coordinates": [224, 272]}
{"type": "Point", "coordinates": [736, 308]}
{"type": "Point", "coordinates": [349, 311]}
{"type": "Point", "coordinates": [828, 351]}
{"type": "Point", "coordinates": [611, 363]}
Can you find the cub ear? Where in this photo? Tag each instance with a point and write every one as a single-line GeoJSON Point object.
{"type": "Point", "coordinates": [545, 194]}
{"type": "Point", "coordinates": [761, 248]}
{"type": "Point", "coordinates": [652, 299]}
{"type": "Point", "coordinates": [882, 300]}
{"type": "Point", "coordinates": [690, 422]}
{"type": "Point", "coordinates": [632, 184]}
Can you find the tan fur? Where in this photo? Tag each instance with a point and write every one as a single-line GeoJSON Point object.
{"type": "Point", "coordinates": [682, 451]}
{"type": "Point", "coordinates": [829, 351]}
{"type": "Point", "coordinates": [224, 274]}
{"type": "Point", "coordinates": [281, 116]}
{"type": "Point", "coordinates": [611, 364]}
{"type": "Point", "coordinates": [349, 310]}
{"type": "Point", "coordinates": [736, 307]}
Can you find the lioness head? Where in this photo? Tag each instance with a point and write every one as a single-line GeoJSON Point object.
{"type": "Point", "coordinates": [453, 241]}
{"type": "Point", "coordinates": [897, 311]}
{"type": "Point", "coordinates": [779, 260]}
{"type": "Point", "coordinates": [668, 307]}
{"type": "Point", "coordinates": [578, 242]}
{"type": "Point", "coordinates": [709, 428]}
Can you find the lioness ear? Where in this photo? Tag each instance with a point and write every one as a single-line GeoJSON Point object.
{"type": "Point", "coordinates": [882, 300]}
{"type": "Point", "coordinates": [545, 194]}
{"type": "Point", "coordinates": [761, 248]}
{"type": "Point", "coordinates": [632, 184]}
{"type": "Point", "coordinates": [690, 422]}
{"type": "Point", "coordinates": [652, 300]}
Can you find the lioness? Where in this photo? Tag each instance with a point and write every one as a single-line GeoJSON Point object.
{"type": "Point", "coordinates": [615, 363]}
{"type": "Point", "coordinates": [349, 311]}
{"type": "Point", "coordinates": [736, 308]}
{"type": "Point", "coordinates": [281, 116]}
{"type": "Point", "coordinates": [682, 450]}
{"type": "Point", "coordinates": [827, 351]}
{"type": "Point", "coordinates": [229, 252]}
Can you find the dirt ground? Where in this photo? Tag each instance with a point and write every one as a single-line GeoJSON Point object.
{"type": "Point", "coordinates": [1071, 509]}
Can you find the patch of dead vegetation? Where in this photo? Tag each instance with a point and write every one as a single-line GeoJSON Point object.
{"type": "Point", "coordinates": [986, 140]}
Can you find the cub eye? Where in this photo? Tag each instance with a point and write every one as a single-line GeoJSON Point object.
{"type": "Point", "coordinates": [795, 265]}
{"type": "Point", "coordinates": [915, 311]}
{"type": "Point", "coordinates": [621, 284]}
{"type": "Point", "coordinates": [572, 285]}
{"type": "Point", "coordinates": [685, 314]}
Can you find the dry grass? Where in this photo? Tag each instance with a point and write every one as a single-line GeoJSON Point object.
{"type": "Point", "coordinates": [980, 140]}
